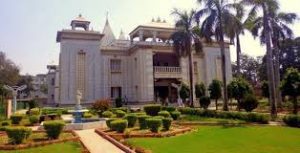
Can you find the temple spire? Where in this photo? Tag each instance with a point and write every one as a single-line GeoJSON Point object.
{"type": "Point", "coordinates": [109, 36]}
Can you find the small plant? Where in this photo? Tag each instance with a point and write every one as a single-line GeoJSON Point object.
{"type": "Point", "coordinates": [204, 102]}
{"type": "Point", "coordinates": [168, 108]}
{"type": "Point", "coordinates": [107, 114]}
{"type": "Point", "coordinates": [119, 125]}
{"type": "Point", "coordinates": [142, 121]}
{"type": "Point", "coordinates": [53, 128]}
{"type": "Point", "coordinates": [87, 115]}
{"type": "Point", "coordinates": [292, 120]}
{"type": "Point", "coordinates": [164, 114]}
{"type": "Point", "coordinates": [154, 124]}
{"type": "Point", "coordinates": [109, 121]}
{"type": "Point", "coordinates": [175, 115]}
{"type": "Point", "coordinates": [152, 110]}
{"type": "Point", "coordinates": [34, 119]}
{"type": "Point", "coordinates": [16, 119]}
{"type": "Point", "coordinates": [35, 111]}
{"type": "Point", "coordinates": [17, 135]}
{"type": "Point", "coordinates": [120, 113]}
{"type": "Point", "coordinates": [167, 123]}
{"type": "Point", "coordinates": [131, 118]}
{"type": "Point", "coordinates": [249, 103]}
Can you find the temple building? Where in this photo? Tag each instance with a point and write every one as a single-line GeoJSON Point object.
{"type": "Point", "coordinates": [142, 67]}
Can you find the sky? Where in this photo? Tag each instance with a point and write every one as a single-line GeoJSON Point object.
{"type": "Point", "coordinates": [29, 27]}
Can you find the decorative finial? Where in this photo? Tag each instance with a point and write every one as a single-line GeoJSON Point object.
{"type": "Point", "coordinates": [106, 15]}
{"type": "Point", "coordinates": [80, 15]}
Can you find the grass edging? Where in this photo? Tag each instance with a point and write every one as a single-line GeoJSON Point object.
{"type": "Point", "coordinates": [114, 142]}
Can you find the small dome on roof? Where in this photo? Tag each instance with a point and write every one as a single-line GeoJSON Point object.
{"type": "Point", "coordinates": [79, 18]}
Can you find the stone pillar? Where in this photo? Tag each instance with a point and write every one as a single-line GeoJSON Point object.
{"type": "Point", "coordinates": [9, 108]}
{"type": "Point", "coordinates": [141, 35]}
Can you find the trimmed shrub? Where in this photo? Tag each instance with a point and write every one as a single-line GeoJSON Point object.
{"type": "Point", "coordinates": [292, 120]}
{"type": "Point", "coordinates": [17, 135]}
{"type": "Point", "coordinates": [204, 102]}
{"type": "Point", "coordinates": [167, 123]}
{"type": "Point", "coordinates": [175, 115]}
{"type": "Point", "coordinates": [5, 123]}
{"type": "Point", "coordinates": [118, 102]}
{"type": "Point", "coordinates": [34, 119]}
{"type": "Point", "coordinates": [249, 103]}
{"type": "Point", "coordinates": [131, 118]}
{"type": "Point", "coordinates": [35, 111]}
{"type": "Point", "coordinates": [109, 121]}
{"type": "Point", "coordinates": [16, 119]}
{"type": "Point", "coordinates": [168, 108]}
{"type": "Point", "coordinates": [120, 113]}
{"type": "Point", "coordinates": [153, 124]}
{"type": "Point", "coordinates": [53, 128]}
{"type": "Point", "coordinates": [164, 114]}
{"type": "Point", "coordinates": [152, 110]}
{"type": "Point", "coordinates": [142, 121]}
{"type": "Point", "coordinates": [87, 115]}
{"type": "Point", "coordinates": [124, 109]}
{"type": "Point", "coordinates": [119, 125]}
{"type": "Point", "coordinates": [107, 114]}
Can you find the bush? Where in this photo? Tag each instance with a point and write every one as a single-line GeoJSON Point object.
{"type": "Point", "coordinates": [53, 128]}
{"type": "Point", "coordinates": [164, 114]}
{"type": "Point", "coordinates": [109, 121]}
{"type": "Point", "coordinates": [118, 102]}
{"type": "Point", "coordinates": [119, 125]}
{"type": "Point", "coordinates": [101, 105]}
{"type": "Point", "coordinates": [152, 110]}
{"type": "Point", "coordinates": [153, 124]}
{"type": "Point", "coordinates": [131, 118]}
{"type": "Point", "coordinates": [17, 135]}
{"type": "Point", "coordinates": [87, 115]}
{"type": "Point", "coordinates": [142, 121]}
{"type": "Point", "coordinates": [168, 108]}
{"type": "Point", "coordinates": [167, 123]}
{"type": "Point", "coordinates": [5, 123]}
{"type": "Point", "coordinates": [120, 113]}
{"type": "Point", "coordinates": [16, 119]}
{"type": "Point", "coordinates": [249, 103]}
{"type": "Point", "coordinates": [204, 102]}
{"type": "Point", "coordinates": [175, 115]}
{"type": "Point", "coordinates": [35, 111]}
{"type": "Point", "coordinates": [124, 109]}
{"type": "Point", "coordinates": [107, 114]}
{"type": "Point", "coordinates": [34, 119]}
{"type": "Point", "coordinates": [292, 120]}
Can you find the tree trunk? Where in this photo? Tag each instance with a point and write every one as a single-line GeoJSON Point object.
{"type": "Point", "coordinates": [216, 104]}
{"type": "Point", "coordinates": [238, 55]}
{"type": "Point", "coordinates": [191, 72]}
{"type": "Point", "coordinates": [295, 110]}
{"type": "Point", "coordinates": [270, 66]}
{"type": "Point", "coordinates": [277, 75]}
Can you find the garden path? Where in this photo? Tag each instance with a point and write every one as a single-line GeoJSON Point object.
{"type": "Point", "coordinates": [95, 143]}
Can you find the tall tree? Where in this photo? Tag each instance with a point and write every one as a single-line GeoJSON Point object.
{"type": "Point", "coordinates": [267, 6]}
{"type": "Point", "coordinates": [185, 38]}
{"type": "Point", "coordinates": [279, 22]}
{"type": "Point", "coordinates": [9, 71]}
{"type": "Point", "coordinates": [216, 13]}
{"type": "Point", "coordinates": [215, 91]}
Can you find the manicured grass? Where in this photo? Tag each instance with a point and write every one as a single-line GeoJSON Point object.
{"type": "Point", "coordinates": [67, 147]}
{"type": "Point", "coordinates": [217, 139]}
{"type": "Point", "coordinates": [206, 119]}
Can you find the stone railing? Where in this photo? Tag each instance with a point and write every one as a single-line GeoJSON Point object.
{"type": "Point", "coordinates": [151, 43]}
{"type": "Point", "coordinates": [167, 72]}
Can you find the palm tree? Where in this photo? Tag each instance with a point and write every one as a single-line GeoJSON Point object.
{"type": "Point", "coordinates": [279, 22]}
{"type": "Point", "coordinates": [217, 12]}
{"type": "Point", "coordinates": [267, 6]}
{"type": "Point", "coordinates": [184, 39]}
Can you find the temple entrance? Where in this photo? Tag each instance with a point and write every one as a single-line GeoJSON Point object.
{"type": "Point", "coordinates": [165, 93]}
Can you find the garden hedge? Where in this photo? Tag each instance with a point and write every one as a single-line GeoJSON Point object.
{"type": "Point", "coordinates": [131, 118]}
{"type": "Point", "coordinates": [175, 115]}
{"type": "Point", "coordinates": [107, 114]}
{"type": "Point", "coordinates": [164, 114]}
{"type": "Point", "coordinates": [152, 110]}
{"type": "Point", "coordinates": [34, 119]}
{"type": "Point", "coordinates": [120, 113]}
{"type": "Point", "coordinates": [17, 135]}
{"type": "Point", "coordinates": [142, 121]}
{"type": "Point", "coordinates": [292, 120]}
{"type": "Point", "coordinates": [119, 125]}
{"type": "Point", "coordinates": [154, 124]}
{"type": "Point", "coordinates": [16, 119]}
{"type": "Point", "coordinates": [53, 128]}
{"type": "Point", "coordinates": [168, 108]}
{"type": "Point", "coordinates": [167, 123]}
{"type": "Point", "coordinates": [109, 121]}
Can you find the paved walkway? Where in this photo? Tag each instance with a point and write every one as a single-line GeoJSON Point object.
{"type": "Point", "coordinates": [95, 143]}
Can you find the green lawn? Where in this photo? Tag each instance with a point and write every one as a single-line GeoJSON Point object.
{"type": "Point", "coordinates": [197, 118]}
{"type": "Point", "coordinates": [217, 139]}
{"type": "Point", "coordinates": [67, 147]}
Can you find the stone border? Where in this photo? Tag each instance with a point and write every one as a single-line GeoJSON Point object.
{"type": "Point", "coordinates": [44, 143]}
{"type": "Point", "coordinates": [114, 141]}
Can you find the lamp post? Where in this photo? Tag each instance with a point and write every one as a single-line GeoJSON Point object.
{"type": "Point", "coordinates": [15, 90]}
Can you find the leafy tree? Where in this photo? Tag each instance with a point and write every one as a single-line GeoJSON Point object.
{"type": "Point", "coordinates": [184, 92]}
{"type": "Point", "coordinates": [215, 91]}
{"type": "Point", "coordinates": [184, 39]}
{"type": "Point", "coordinates": [249, 103]}
{"type": "Point", "coordinates": [289, 54]}
{"type": "Point", "coordinates": [9, 71]}
{"type": "Point", "coordinates": [291, 86]}
{"type": "Point", "coordinates": [204, 102]}
{"type": "Point", "coordinates": [265, 89]}
{"type": "Point", "coordinates": [200, 90]}
{"type": "Point", "coordinates": [239, 89]}
{"type": "Point", "coordinates": [217, 13]}
{"type": "Point", "coordinates": [26, 80]}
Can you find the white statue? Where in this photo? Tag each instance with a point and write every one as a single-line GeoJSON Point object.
{"type": "Point", "coordinates": [78, 98]}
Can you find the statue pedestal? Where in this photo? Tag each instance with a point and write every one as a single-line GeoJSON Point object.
{"type": "Point", "coordinates": [78, 114]}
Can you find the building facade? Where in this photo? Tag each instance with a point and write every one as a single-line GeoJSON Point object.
{"type": "Point", "coordinates": [142, 69]}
